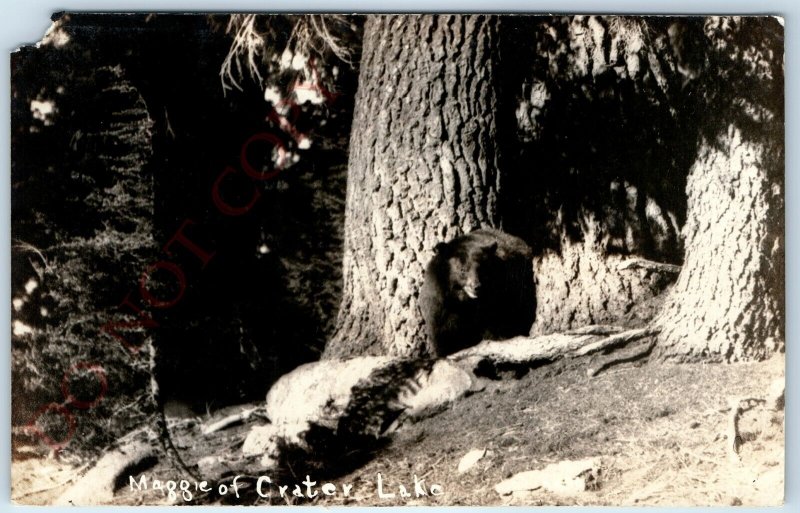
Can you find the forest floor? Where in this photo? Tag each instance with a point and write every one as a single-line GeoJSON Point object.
{"type": "Point", "coordinates": [659, 430]}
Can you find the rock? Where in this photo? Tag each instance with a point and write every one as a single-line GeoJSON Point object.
{"type": "Point", "coordinates": [338, 402]}
{"type": "Point", "coordinates": [265, 441]}
{"type": "Point", "coordinates": [319, 391]}
{"type": "Point", "coordinates": [563, 478]}
{"type": "Point", "coordinates": [259, 440]}
{"type": "Point", "coordinates": [445, 383]}
{"type": "Point", "coordinates": [470, 459]}
{"type": "Point", "coordinates": [209, 465]}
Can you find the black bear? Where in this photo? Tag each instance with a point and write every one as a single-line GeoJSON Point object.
{"type": "Point", "coordinates": [478, 286]}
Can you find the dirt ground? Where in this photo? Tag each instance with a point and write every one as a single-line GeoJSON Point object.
{"type": "Point", "coordinates": [660, 431]}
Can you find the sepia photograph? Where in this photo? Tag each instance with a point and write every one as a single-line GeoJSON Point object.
{"type": "Point", "coordinates": [398, 260]}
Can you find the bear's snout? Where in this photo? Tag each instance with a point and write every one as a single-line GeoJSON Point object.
{"type": "Point", "coordinates": [472, 289]}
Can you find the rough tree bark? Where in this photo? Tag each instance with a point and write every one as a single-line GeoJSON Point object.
{"type": "Point", "coordinates": [423, 168]}
{"type": "Point", "coordinates": [582, 284]}
{"type": "Point", "coordinates": [728, 301]}
{"type": "Point", "coordinates": [601, 141]}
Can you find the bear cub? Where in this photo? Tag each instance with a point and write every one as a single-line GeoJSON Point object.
{"type": "Point", "coordinates": [478, 286]}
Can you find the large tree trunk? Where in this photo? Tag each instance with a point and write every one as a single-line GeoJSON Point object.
{"type": "Point", "coordinates": [423, 168]}
{"type": "Point", "coordinates": [728, 303]}
{"type": "Point", "coordinates": [582, 284]}
{"type": "Point", "coordinates": [603, 141]}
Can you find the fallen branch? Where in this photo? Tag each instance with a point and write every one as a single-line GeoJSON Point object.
{"type": "Point", "coordinates": [228, 421]}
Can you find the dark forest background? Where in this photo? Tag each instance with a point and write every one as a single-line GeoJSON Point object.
{"type": "Point", "coordinates": [141, 129]}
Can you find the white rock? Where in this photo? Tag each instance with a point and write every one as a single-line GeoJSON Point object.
{"type": "Point", "coordinates": [446, 382]}
{"type": "Point", "coordinates": [318, 391]}
{"type": "Point", "coordinates": [320, 394]}
{"type": "Point", "coordinates": [470, 459]}
{"type": "Point", "coordinates": [563, 478]}
{"type": "Point", "coordinates": [259, 440]}
{"type": "Point", "coordinates": [208, 464]}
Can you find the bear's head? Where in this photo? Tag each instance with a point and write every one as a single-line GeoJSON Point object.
{"type": "Point", "coordinates": [466, 266]}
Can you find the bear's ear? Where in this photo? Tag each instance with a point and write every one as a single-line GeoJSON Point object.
{"type": "Point", "coordinates": [440, 248]}
{"type": "Point", "coordinates": [492, 248]}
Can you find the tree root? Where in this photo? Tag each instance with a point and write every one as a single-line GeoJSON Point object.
{"type": "Point", "coordinates": [492, 358]}
{"type": "Point", "coordinates": [596, 329]}
{"type": "Point", "coordinates": [616, 341]}
{"type": "Point", "coordinates": [98, 485]}
{"type": "Point", "coordinates": [648, 265]}
{"type": "Point", "coordinates": [639, 351]}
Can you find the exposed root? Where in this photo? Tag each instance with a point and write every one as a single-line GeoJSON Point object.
{"type": "Point", "coordinates": [595, 329]}
{"type": "Point", "coordinates": [98, 485]}
{"type": "Point", "coordinates": [616, 341]}
{"type": "Point", "coordinates": [648, 265]}
{"type": "Point", "coordinates": [638, 352]}
{"type": "Point", "coordinates": [492, 358]}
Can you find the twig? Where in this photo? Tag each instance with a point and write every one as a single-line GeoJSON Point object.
{"type": "Point", "coordinates": [432, 468]}
{"type": "Point", "coordinates": [30, 248]}
{"type": "Point", "coordinates": [227, 421]}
